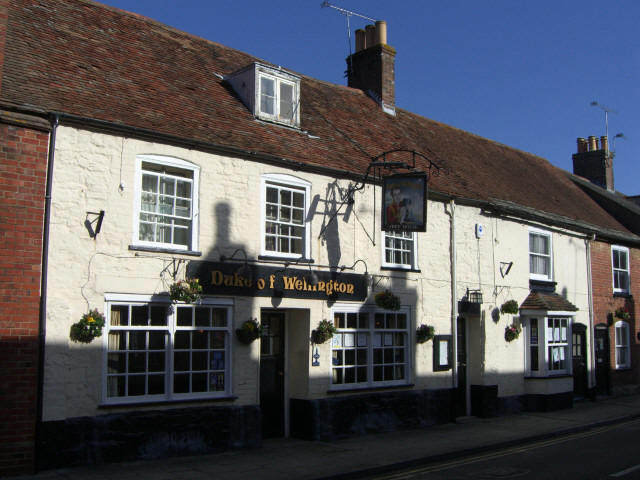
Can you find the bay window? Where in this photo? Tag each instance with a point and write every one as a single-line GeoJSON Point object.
{"type": "Point", "coordinates": [548, 344]}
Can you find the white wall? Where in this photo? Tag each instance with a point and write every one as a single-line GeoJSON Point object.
{"type": "Point", "coordinates": [89, 169]}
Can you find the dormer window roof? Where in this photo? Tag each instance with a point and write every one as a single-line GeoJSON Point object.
{"type": "Point", "coordinates": [271, 93]}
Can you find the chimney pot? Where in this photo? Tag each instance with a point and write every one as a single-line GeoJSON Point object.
{"type": "Point", "coordinates": [371, 36]}
{"type": "Point", "coordinates": [361, 40]}
{"type": "Point", "coordinates": [604, 143]}
{"type": "Point", "coordinates": [582, 145]}
{"type": "Point", "coordinates": [593, 143]}
{"type": "Point", "coordinates": [381, 32]}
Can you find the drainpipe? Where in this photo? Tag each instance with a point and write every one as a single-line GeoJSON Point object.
{"type": "Point", "coordinates": [42, 328]}
{"type": "Point", "coordinates": [454, 303]}
{"type": "Point", "coordinates": [592, 347]}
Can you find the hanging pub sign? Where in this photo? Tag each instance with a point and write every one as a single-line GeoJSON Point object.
{"type": "Point", "coordinates": [231, 278]}
{"type": "Point", "coordinates": [404, 202]}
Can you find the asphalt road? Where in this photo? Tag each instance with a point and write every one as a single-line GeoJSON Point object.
{"type": "Point", "coordinates": [611, 452]}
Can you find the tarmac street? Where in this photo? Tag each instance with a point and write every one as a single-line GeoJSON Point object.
{"type": "Point", "coordinates": [286, 458]}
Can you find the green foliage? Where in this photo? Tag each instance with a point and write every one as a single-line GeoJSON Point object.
{"type": "Point", "coordinates": [88, 328]}
{"type": "Point", "coordinates": [249, 331]}
{"type": "Point", "coordinates": [187, 290]}
{"type": "Point", "coordinates": [424, 333]}
{"type": "Point", "coordinates": [511, 332]}
{"type": "Point", "coordinates": [324, 332]}
{"type": "Point", "coordinates": [387, 300]}
{"type": "Point", "coordinates": [510, 306]}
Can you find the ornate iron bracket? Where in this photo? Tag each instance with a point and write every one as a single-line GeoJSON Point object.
{"type": "Point", "coordinates": [384, 161]}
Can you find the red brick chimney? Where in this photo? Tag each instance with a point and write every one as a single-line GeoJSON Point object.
{"type": "Point", "coordinates": [594, 162]}
{"type": "Point", "coordinates": [372, 67]}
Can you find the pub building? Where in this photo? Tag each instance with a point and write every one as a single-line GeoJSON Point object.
{"type": "Point", "coordinates": [235, 251]}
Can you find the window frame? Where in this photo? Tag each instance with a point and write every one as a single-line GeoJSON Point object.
{"type": "Point", "coordinates": [541, 366]}
{"type": "Point", "coordinates": [544, 233]}
{"type": "Point", "coordinates": [622, 326]}
{"type": "Point", "coordinates": [133, 300]}
{"type": "Point", "coordinates": [278, 79]}
{"type": "Point", "coordinates": [292, 183]}
{"type": "Point", "coordinates": [371, 311]}
{"type": "Point", "coordinates": [173, 163]}
{"type": "Point", "coordinates": [620, 249]}
{"type": "Point", "coordinates": [413, 264]}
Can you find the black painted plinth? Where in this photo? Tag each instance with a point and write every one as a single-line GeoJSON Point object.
{"type": "Point", "coordinates": [347, 415]}
{"type": "Point", "coordinates": [147, 434]}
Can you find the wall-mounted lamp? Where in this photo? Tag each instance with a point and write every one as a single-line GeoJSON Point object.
{"type": "Point", "coordinates": [244, 270]}
{"type": "Point", "coordinates": [313, 278]}
{"type": "Point", "coordinates": [366, 269]}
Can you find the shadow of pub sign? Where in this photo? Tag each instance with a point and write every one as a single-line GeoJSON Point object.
{"type": "Point", "coordinates": [404, 202]}
{"type": "Point", "coordinates": [228, 278]}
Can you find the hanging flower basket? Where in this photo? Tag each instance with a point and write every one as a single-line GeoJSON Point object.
{"type": "Point", "coordinates": [187, 290]}
{"type": "Point", "coordinates": [622, 313]}
{"type": "Point", "coordinates": [324, 332]}
{"type": "Point", "coordinates": [88, 328]}
{"type": "Point", "coordinates": [511, 332]}
{"type": "Point", "coordinates": [424, 333]}
{"type": "Point", "coordinates": [249, 331]}
{"type": "Point", "coordinates": [387, 300]}
{"type": "Point", "coordinates": [510, 306]}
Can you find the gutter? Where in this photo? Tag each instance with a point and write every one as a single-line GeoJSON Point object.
{"type": "Point", "coordinates": [42, 327]}
{"type": "Point", "coordinates": [592, 336]}
{"type": "Point", "coordinates": [454, 303]}
{"type": "Point", "coordinates": [491, 206]}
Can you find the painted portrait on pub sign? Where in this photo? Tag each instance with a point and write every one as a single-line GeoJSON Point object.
{"type": "Point", "coordinates": [404, 203]}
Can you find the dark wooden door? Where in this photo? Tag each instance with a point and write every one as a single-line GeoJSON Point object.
{"type": "Point", "coordinates": [461, 391]}
{"type": "Point", "coordinates": [603, 364]}
{"type": "Point", "coordinates": [579, 357]}
{"type": "Point", "coordinates": [272, 360]}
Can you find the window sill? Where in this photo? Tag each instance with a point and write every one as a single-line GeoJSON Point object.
{"type": "Point", "coordinates": [543, 285]}
{"type": "Point", "coordinates": [290, 261]}
{"type": "Point", "coordinates": [401, 269]}
{"type": "Point", "coordinates": [143, 403]}
{"type": "Point", "coordinates": [622, 369]}
{"type": "Point", "coordinates": [548, 376]}
{"type": "Point", "coordinates": [369, 389]}
{"type": "Point", "coordinates": [622, 295]}
{"type": "Point", "coordinates": [140, 248]}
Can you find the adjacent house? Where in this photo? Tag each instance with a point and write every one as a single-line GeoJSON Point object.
{"type": "Point", "coordinates": [615, 277]}
{"type": "Point", "coordinates": [455, 274]}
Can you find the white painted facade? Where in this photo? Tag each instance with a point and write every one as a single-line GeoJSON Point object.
{"type": "Point", "coordinates": [95, 171]}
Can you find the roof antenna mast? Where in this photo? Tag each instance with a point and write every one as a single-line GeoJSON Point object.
{"type": "Point", "coordinates": [347, 14]}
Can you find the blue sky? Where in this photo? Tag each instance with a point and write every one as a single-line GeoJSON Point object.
{"type": "Point", "coordinates": [522, 73]}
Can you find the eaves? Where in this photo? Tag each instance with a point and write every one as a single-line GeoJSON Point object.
{"type": "Point", "coordinates": [39, 119]}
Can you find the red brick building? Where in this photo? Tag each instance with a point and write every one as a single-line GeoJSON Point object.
{"type": "Point", "coordinates": [23, 168]}
{"type": "Point", "coordinates": [615, 274]}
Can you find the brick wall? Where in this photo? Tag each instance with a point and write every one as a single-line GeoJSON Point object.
{"type": "Point", "coordinates": [604, 302]}
{"type": "Point", "coordinates": [23, 160]}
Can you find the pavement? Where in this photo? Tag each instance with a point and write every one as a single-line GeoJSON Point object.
{"type": "Point", "coordinates": [287, 458]}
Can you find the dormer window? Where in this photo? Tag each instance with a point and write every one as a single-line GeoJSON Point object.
{"type": "Point", "coordinates": [270, 93]}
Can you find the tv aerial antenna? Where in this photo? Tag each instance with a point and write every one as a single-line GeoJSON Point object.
{"type": "Point", "coordinates": [606, 111]}
{"type": "Point", "coordinates": [348, 14]}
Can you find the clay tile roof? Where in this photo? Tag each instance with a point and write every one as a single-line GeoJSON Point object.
{"type": "Point", "coordinates": [547, 301]}
{"type": "Point", "coordinates": [85, 59]}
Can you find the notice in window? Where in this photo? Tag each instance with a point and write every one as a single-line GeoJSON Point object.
{"type": "Point", "coordinates": [444, 353]}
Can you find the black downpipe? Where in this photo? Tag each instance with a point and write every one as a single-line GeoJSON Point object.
{"type": "Point", "coordinates": [42, 330]}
